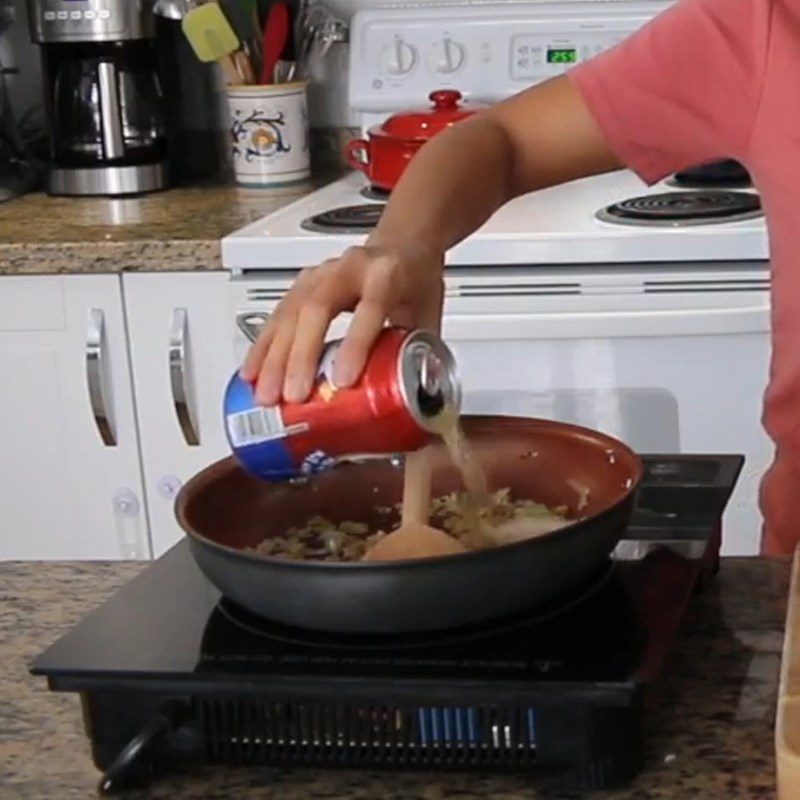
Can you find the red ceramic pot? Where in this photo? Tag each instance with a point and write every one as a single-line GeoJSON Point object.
{"type": "Point", "coordinates": [385, 154]}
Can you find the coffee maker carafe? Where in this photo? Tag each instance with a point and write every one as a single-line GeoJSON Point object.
{"type": "Point", "coordinates": [102, 96]}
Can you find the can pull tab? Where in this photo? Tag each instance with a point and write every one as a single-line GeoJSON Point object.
{"type": "Point", "coordinates": [430, 374]}
{"type": "Point", "coordinates": [430, 395]}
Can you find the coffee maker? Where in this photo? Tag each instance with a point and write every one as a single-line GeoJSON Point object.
{"type": "Point", "coordinates": [102, 98]}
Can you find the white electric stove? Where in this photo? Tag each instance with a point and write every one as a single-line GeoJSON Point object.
{"type": "Point", "coordinates": [657, 333]}
{"type": "Point", "coordinates": [553, 226]}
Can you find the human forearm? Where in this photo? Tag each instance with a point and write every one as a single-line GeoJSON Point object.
{"type": "Point", "coordinates": [451, 187]}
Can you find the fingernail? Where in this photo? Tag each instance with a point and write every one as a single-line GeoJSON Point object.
{"type": "Point", "coordinates": [267, 395]}
{"type": "Point", "coordinates": [296, 389]}
{"type": "Point", "coordinates": [344, 376]}
{"type": "Point", "coordinates": [267, 400]}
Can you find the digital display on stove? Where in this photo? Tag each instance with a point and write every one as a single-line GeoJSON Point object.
{"type": "Point", "coordinates": [562, 55]}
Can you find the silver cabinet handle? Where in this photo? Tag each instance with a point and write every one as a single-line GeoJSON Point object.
{"type": "Point", "coordinates": [95, 376]}
{"type": "Point", "coordinates": [251, 323]}
{"type": "Point", "coordinates": [113, 146]}
{"type": "Point", "coordinates": [177, 377]}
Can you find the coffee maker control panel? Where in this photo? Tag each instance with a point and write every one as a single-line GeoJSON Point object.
{"type": "Point", "coordinates": [54, 21]}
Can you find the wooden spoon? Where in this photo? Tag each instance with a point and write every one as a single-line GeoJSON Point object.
{"type": "Point", "coordinates": [415, 538]}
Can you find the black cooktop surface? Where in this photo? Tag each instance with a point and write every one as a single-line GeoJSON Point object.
{"type": "Point", "coordinates": [170, 621]}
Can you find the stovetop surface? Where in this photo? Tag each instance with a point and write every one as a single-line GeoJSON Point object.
{"type": "Point", "coordinates": [171, 622]}
{"type": "Point", "coordinates": [550, 227]}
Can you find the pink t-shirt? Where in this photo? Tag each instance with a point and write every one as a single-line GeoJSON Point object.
{"type": "Point", "coordinates": [712, 79]}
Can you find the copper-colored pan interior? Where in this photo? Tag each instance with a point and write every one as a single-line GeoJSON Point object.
{"type": "Point", "coordinates": [548, 462]}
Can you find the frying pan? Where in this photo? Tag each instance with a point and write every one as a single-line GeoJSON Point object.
{"type": "Point", "coordinates": [225, 510]}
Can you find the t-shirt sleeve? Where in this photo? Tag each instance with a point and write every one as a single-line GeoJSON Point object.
{"type": "Point", "coordinates": [684, 89]}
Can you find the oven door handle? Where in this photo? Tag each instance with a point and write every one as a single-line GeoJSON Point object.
{"type": "Point", "coordinates": [610, 324]}
{"type": "Point", "coordinates": [96, 376]}
{"type": "Point", "coordinates": [178, 377]}
{"type": "Point", "coordinates": [251, 323]}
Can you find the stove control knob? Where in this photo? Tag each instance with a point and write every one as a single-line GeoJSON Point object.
{"type": "Point", "coordinates": [398, 58]}
{"type": "Point", "coordinates": [446, 56]}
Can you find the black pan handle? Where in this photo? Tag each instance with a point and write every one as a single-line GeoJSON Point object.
{"type": "Point", "coordinates": [169, 716]}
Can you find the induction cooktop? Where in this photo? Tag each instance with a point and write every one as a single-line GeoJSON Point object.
{"type": "Point", "coordinates": [171, 673]}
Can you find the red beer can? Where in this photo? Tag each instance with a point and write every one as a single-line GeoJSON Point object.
{"type": "Point", "coordinates": [409, 379]}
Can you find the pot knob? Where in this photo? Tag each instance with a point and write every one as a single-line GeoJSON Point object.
{"type": "Point", "coordinates": [445, 98]}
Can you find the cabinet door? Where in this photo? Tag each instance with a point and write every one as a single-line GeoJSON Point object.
{"type": "Point", "coordinates": [182, 356]}
{"type": "Point", "coordinates": [70, 478]}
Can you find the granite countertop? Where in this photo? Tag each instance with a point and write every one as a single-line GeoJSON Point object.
{"type": "Point", "coordinates": [178, 229]}
{"type": "Point", "coordinates": [710, 732]}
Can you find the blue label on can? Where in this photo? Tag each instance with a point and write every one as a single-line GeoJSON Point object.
{"type": "Point", "coordinates": [257, 435]}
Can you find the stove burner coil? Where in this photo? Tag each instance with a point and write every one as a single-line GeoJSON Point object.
{"type": "Point", "coordinates": [678, 209]}
{"type": "Point", "coordinates": [689, 181]}
{"type": "Point", "coordinates": [346, 219]}
{"type": "Point", "coordinates": [375, 193]}
{"type": "Point", "coordinates": [728, 174]}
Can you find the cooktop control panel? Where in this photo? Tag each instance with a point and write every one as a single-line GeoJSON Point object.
{"type": "Point", "coordinates": [400, 54]}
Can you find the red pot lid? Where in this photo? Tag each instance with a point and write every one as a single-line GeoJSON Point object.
{"type": "Point", "coordinates": [425, 123]}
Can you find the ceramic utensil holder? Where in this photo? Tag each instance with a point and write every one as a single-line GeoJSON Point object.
{"type": "Point", "coordinates": [269, 134]}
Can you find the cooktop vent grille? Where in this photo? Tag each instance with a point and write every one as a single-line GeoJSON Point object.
{"type": "Point", "coordinates": [516, 289]}
{"type": "Point", "coordinates": [326, 734]}
{"type": "Point", "coordinates": [706, 285]}
{"type": "Point", "coordinates": [267, 295]}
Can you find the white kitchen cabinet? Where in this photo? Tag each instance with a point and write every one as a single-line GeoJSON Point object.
{"type": "Point", "coordinates": [182, 354]}
{"type": "Point", "coordinates": [70, 477]}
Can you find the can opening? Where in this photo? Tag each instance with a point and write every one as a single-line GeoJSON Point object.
{"type": "Point", "coordinates": [430, 405]}
{"type": "Point", "coordinates": [428, 379]}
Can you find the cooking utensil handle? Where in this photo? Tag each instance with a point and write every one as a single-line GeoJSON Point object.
{"type": "Point", "coordinates": [113, 146]}
{"type": "Point", "coordinates": [244, 66]}
{"type": "Point", "coordinates": [177, 377]}
{"type": "Point", "coordinates": [357, 153]}
{"type": "Point", "coordinates": [96, 378]}
{"type": "Point", "coordinates": [251, 323]}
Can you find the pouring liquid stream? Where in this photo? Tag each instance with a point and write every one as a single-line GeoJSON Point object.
{"type": "Point", "coordinates": [446, 424]}
{"type": "Point", "coordinates": [415, 538]}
